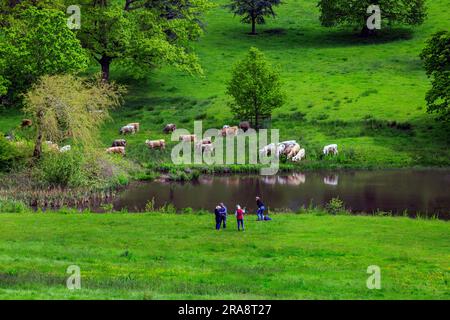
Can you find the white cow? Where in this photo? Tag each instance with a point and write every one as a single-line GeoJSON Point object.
{"type": "Point", "coordinates": [65, 149]}
{"type": "Point", "coordinates": [330, 149]}
{"type": "Point", "coordinates": [299, 156]}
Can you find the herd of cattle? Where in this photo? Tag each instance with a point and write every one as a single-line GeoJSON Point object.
{"type": "Point", "coordinates": [291, 149]}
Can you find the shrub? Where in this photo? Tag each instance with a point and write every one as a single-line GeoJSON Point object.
{"type": "Point", "coordinates": [12, 155]}
{"type": "Point", "coordinates": [12, 206]}
{"type": "Point", "coordinates": [335, 206]}
{"type": "Point", "coordinates": [60, 169]}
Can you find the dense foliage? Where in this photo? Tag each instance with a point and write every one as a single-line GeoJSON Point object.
{"type": "Point", "coordinates": [436, 57]}
{"type": "Point", "coordinates": [67, 107]}
{"type": "Point", "coordinates": [255, 87]}
{"type": "Point", "coordinates": [36, 42]}
{"type": "Point", "coordinates": [142, 34]}
{"type": "Point", "coordinates": [354, 12]}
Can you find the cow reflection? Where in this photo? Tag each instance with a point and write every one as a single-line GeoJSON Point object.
{"type": "Point", "coordinates": [331, 180]}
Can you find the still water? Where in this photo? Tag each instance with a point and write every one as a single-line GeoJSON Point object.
{"type": "Point", "coordinates": [417, 191]}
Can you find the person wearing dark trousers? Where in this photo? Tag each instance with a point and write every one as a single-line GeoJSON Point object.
{"type": "Point", "coordinates": [240, 217]}
{"type": "Point", "coordinates": [218, 215]}
{"type": "Point", "coordinates": [223, 211]}
{"type": "Point", "coordinates": [261, 208]}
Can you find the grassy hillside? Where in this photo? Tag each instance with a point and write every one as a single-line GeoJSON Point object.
{"type": "Point", "coordinates": [154, 256]}
{"type": "Point", "coordinates": [341, 88]}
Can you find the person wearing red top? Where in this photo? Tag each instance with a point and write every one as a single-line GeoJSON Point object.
{"type": "Point", "coordinates": [240, 217]}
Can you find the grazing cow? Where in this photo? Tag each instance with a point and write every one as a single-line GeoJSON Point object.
{"type": "Point", "coordinates": [127, 129]}
{"type": "Point", "coordinates": [169, 128]}
{"type": "Point", "coordinates": [52, 146]}
{"type": "Point", "coordinates": [65, 149]}
{"type": "Point", "coordinates": [330, 149]}
{"type": "Point", "coordinates": [201, 147]}
{"type": "Point", "coordinates": [244, 126]}
{"type": "Point", "coordinates": [156, 144]}
{"type": "Point", "coordinates": [188, 138]}
{"type": "Point", "coordinates": [26, 123]}
{"type": "Point", "coordinates": [119, 143]}
{"type": "Point", "coordinates": [136, 126]}
{"type": "Point", "coordinates": [267, 150]}
{"type": "Point", "coordinates": [299, 156]}
{"type": "Point", "coordinates": [229, 131]}
{"type": "Point", "coordinates": [116, 150]}
{"type": "Point", "coordinates": [292, 151]}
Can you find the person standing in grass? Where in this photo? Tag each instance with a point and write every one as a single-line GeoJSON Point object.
{"type": "Point", "coordinates": [261, 208]}
{"type": "Point", "coordinates": [223, 211]}
{"type": "Point", "coordinates": [218, 215]}
{"type": "Point", "coordinates": [240, 217]}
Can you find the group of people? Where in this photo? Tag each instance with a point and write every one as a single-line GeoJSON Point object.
{"type": "Point", "coordinates": [221, 214]}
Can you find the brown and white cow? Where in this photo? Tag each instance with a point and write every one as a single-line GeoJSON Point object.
{"type": "Point", "coordinates": [116, 150]}
{"type": "Point", "coordinates": [169, 128]}
{"type": "Point", "coordinates": [188, 138]}
{"type": "Point", "coordinates": [136, 126]}
{"type": "Point", "coordinates": [119, 143]}
{"type": "Point", "coordinates": [127, 129]}
{"type": "Point", "coordinates": [156, 144]}
{"type": "Point", "coordinates": [229, 131]}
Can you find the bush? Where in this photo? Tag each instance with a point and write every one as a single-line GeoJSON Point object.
{"type": "Point", "coordinates": [12, 206]}
{"type": "Point", "coordinates": [335, 206]}
{"type": "Point", "coordinates": [60, 169]}
{"type": "Point", "coordinates": [12, 155]}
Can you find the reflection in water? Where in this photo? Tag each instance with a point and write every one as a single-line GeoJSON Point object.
{"type": "Point", "coordinates": [367, 191]}
{"type": "Point", "coordinates": [331, 179]}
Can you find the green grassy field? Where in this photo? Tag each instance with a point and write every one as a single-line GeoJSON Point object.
{"type": "Point", "coordinates": [340, 89]}
{"type": "Point", "coordinates": [154, 256]}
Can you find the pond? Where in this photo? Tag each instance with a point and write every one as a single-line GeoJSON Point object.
{"type": "Point", "coordinates": [418, 191]}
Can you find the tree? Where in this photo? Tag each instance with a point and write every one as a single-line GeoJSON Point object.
{"type": "Point", "coordinates": [436, 57]}
{"type": "Point", "coordinates": [255, 88]}
{"type": "Point", "coordinates": [142, 34]}
{"type": "Point", "coordinates": [354, 12]}
{"type": "Point", "coordinates": [64, 106]}
{"type": "Point", "coordinates": [37, 42]}
{"type": "Point", "coordinates": [253, 11]}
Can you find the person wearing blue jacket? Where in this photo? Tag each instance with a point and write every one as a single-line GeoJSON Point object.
{"type": "Point", "coordinates": [223, 212]}
{"type": "Point", "coordinates": [261, 208]}
{"type": "Point", "coordinates": [218, 215]}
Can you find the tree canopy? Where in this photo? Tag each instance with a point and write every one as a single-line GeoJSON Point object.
{"type": "Point", "coordinates": [354, 12]}
{"type": "Point", "coordinates": [142, 34]}
{"type": "Point", "coordinates": [253, 11]}
{"type": "Point", "coordinates": [436, 57]}
{"type": "Point", "coordinates": [255, 87]}
{"type": "Point", "coordinates": [37, 42]}
{"type": "Point", "coordinates": [64, 106]}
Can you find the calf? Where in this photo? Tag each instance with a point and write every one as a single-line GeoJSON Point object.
{"type": "Point", "coordinates": [156, 144]}
{"type": "Point", "coordinates": [188, 138]}
{"type": "Point", "coordinates": [116, 150]}
{"type": "Point", "coordinates": [119, 143]}
{"type": "Point", "coordinates": [330, 149]}
{"type": "Point", "coordinates": [127, 129]}
{"type": "Point", "coordinates": [169, 128]}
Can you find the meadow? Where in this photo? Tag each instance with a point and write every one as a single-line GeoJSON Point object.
{"type": "Point", "coordinates": [168, 256]}
{"type": "Point", "coordinates": [365, 94]}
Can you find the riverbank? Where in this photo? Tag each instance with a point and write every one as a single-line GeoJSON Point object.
{"type": "Point", "coordinates": [168, 256]}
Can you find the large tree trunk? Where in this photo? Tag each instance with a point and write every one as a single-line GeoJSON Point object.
{"type": "Point", "coordinates": [38, 146]}
{"type": "Point", "coordinates": [105, 62]}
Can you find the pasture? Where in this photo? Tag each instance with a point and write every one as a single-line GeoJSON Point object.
{"type": "Point", "coordinates": [366, 95]}
{"type": "Point", "coordinates": [167, 256]}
